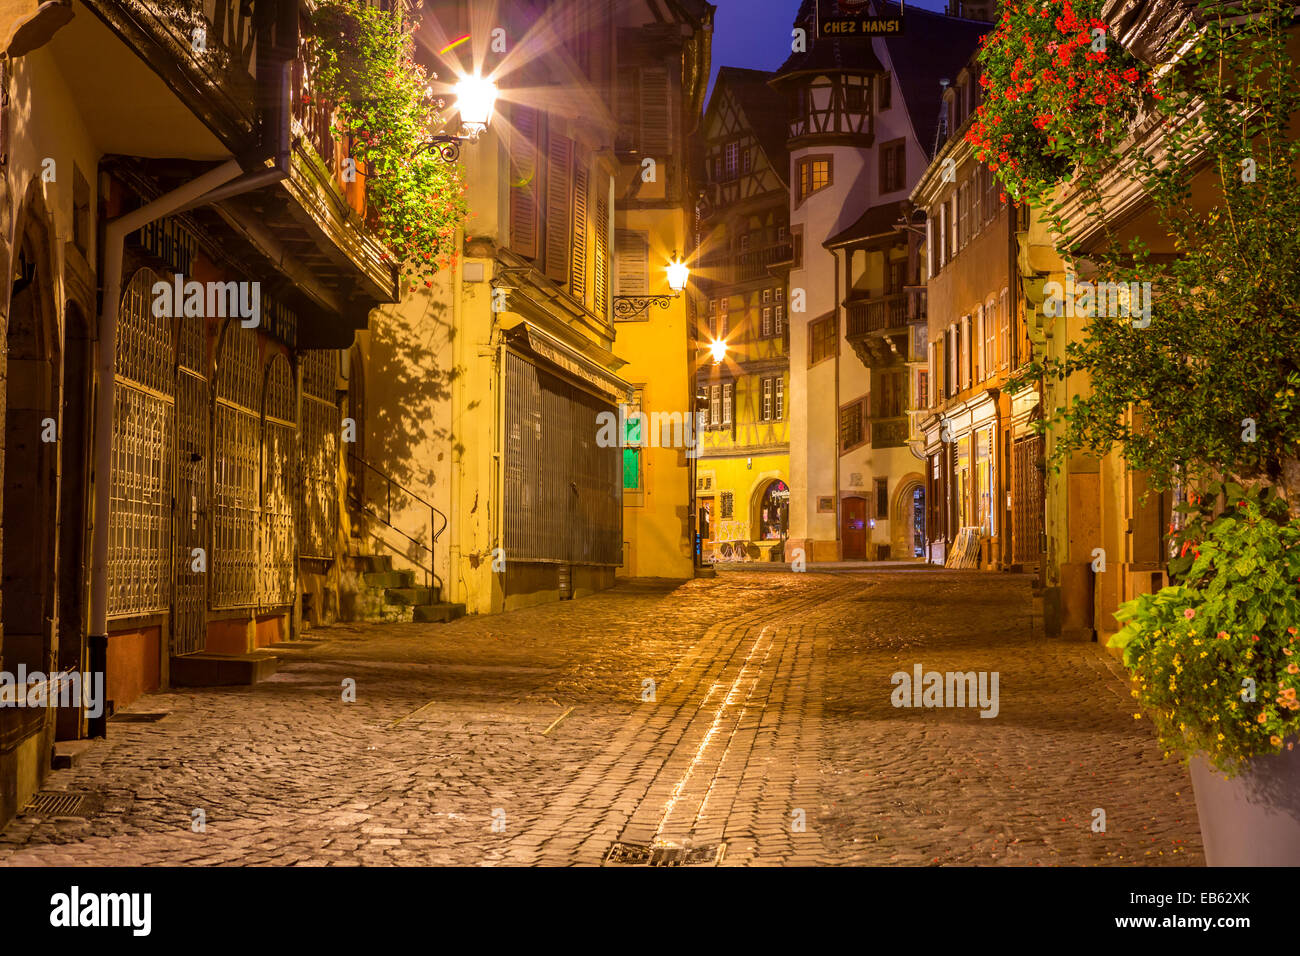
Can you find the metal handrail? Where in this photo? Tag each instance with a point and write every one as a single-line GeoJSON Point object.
{"type": "Point", "coordinates": [435, 530]}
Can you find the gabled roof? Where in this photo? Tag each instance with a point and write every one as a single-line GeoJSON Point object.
{"type": "Point", "coordinates": [764, 113]}
{"type": "Point", "coordinates": [931, 47]}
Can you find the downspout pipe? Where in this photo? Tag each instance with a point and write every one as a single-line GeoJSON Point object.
{"type": "Point", "coordinates": [222, 182]}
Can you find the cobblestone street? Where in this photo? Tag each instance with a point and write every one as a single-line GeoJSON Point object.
{"type": "Point", "coordinates": [525, 738]}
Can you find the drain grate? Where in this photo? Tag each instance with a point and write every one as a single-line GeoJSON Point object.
{"type": "Point", "coordinates": [639, 854]}
{"type": "Point", "coordinates": [140, 718]}
{"type": "Point", "coordinates": [61, 803]}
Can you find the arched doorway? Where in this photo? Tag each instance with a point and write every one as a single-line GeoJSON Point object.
{"type": "Point", "coordinates": [908, 524]}
{"type": "Point", "coordinates": [772, 512]}
{"type": "Point", "coordinates": [31, 443]}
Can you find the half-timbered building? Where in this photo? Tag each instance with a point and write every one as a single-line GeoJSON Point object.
{"type": "Point", "coordinates": [743, 472]}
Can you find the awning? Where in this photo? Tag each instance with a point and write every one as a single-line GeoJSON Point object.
{"type": "Point", "coordinates": [526, 337]}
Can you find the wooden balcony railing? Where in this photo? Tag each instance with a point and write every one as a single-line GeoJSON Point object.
{"type": "Point", "coordinates": [886, 312]}
{"type": "Point", "coordinates": [745, 266]}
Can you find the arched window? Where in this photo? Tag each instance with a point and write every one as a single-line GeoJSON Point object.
{"type": "Point", "coordinates": [139, 525]}
{"type": "Point", "coordinates": [235, 469]}
{"type": "Point", "coordinates": [279, 455]}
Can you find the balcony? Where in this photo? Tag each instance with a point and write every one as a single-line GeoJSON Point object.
{"type": "Point", "coordinates": [889, 432]}
{"type": "Point", "coordinates": [730, 267]}
{"type": "Point", "coordinates": [878, 328]}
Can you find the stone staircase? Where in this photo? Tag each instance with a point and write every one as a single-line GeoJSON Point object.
{"type": "Point", "coordinates": [372, 590]}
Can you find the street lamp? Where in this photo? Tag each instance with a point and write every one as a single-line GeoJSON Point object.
{"type": "Point", "coordinates": [718, 349]}
{"type": "Point", "coordinates": [476, 97]}
{"type": "Point", "coordinates": [630, 306]}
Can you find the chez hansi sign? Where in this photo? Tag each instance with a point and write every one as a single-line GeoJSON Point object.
{"type": "Point", "coordinates": [853, 21]}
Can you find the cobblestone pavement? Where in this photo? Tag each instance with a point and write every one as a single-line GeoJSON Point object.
{"type": "Point", "coordinates": [525, 738]}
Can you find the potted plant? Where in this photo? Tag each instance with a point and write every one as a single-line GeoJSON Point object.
{"type": "Point", "coordinates": [1216, 664]}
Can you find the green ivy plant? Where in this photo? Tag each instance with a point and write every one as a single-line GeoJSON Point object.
{"type": "Point", "coordinates": [1212, 380]}
{"type": "Point", "coordinates": [1215, 659]}
{"type": "Point", "coordinates": [362, 65]}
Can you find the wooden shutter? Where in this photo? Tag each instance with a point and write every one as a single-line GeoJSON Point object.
{"type": "Point", "coordinates": [656, 114]}
{"type": "Point", "coordinates": [600, 279]}
{"type": "Point", "coordinates": [523, 185]}
{"type": "Point", "coordinates": [578, 280]}
{"type": "Point", "coordinates": [559, 207]}
{"type": "Point", "coordinates": [632, 263]}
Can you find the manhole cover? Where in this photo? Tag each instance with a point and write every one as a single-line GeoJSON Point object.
{"type": "Point", "coordinates": [139, 718]}
{"type": "Point", "coordinates": [639, 854]}
{"type": "Point", "coordinates": [61, 803]}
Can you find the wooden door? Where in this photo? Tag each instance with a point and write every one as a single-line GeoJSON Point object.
{"type": "Point", "coordinates": [853, 528]}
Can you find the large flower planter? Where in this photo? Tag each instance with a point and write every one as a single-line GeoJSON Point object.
{"type": "Point", "coordinates": [1252, 819]}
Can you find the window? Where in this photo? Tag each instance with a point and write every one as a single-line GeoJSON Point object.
{"type": "Point", "coordinates": [922, 389]}
{"type": "Point", "coordinates": [744, 243]}
{"type": "Point", "coordinates": [896, 277]}
{"type": "Point", "coordinates": [977, 219]}
{"type": "Point", "coordinates": [782, 233]}
{"type": "Point", "coordinates": [633, 439]}
{"type": "Point", "coordinates": [942, 244]}
{"type": "Point", "coordinates": [749, 160]}
{"type": "Point", "coordinates": [950, 374]}
{"type": "Point", "coordinates": [1004, 329]}
{"type": "Point", "coordinates": [963, 215]}
{"type": "Point", "coordinates": [893, 166]}
{"type": "Point", "coordinates": [768, 391]}
{"type": "Point", "coordinates": [767, 296]}
{"type": "Point", "coordinates": [728, 505]}
{"type": "Point", "coordinates": [978, 363]}
{"type": "Point", "coordinates": [724, 308]}
{"type": "Point", "coordinates": [893, 394]}
{"type": "Point", "coordinates": [885, 91]}
{"type": "Point", "coordinates": [780, 399]}
{"type": "Point", "coordinates": [855, 99]}
{"type": "Point", "coordinates": [632, 263]}
{"type": "Point", "coordinates": [822, 336]}
{"type": "Point", "coordinates": [990, 195]}
{"type": "Point", "coordinates": [814, 175]}
{"type": "Point", "coordinates": [852, 425]}
{"type": "Point", "coordinates": [779, 329]}
{"type": "Point", "coordinates": [767, 322]}
{"type": "Point", "coordinates": [965, 352]}
{"type": "Point", "coordinates": [780, 291]}
{"type": "Point", "coordinates": [882, 498]}
{"type": "Point", "coordinates": [715, 406]}
{"type": "Point", "coordinates": [990, 338]}
{"type": "Point", "coordinates": [731, 160]}
{"type": "Point", "coordinates": [728, 390]}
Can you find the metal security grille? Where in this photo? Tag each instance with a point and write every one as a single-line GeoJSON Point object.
{"type": "Point", "coordinates": [1027, 501]}
{"type": "Point", "coordinates": [235, 470]}
{"type": "Point", "coordinates": [192, 456]}
{"type": "Point", "coordinates": [563, 492]}
{"type": "Point", "coordinates": [139, 525]}
{"type": "Point", "coordinates": [279, 457]}
{"type": "Point", "coordinates": [318, 514]}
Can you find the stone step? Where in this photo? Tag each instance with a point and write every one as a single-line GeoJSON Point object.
{"type": "Point", "coordinates": [439, 613]}
{"type": "Point", "coordinates": [410, 595]}
{"type": "Point", "coordinates": [222, 670]}
{"type": "Point", "coordinates": [389, 579]}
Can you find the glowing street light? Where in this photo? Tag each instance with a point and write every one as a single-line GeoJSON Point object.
{"type": "Point", "coordinates": [476, 98]}
{"type": "Point", "coordinates": [630, 306]}
{"type": "Point", "coordinates": [718, 349]}
{"type": "Point", "coordinates": [678, 274]}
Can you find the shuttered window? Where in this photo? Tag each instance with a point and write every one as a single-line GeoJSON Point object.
{"type": "Point", "coordinates": [559, 207]}
{"type": "Point", "coordinates": [656, 113]}
{"type": "Point", "coordinates": [578, 280]}
{"type": "Point", "coordinates": [523, 182]}
{"type": "Point", "coordinates": [600, 281]}
{"type": "Point", "coordinates": [632, 263]}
